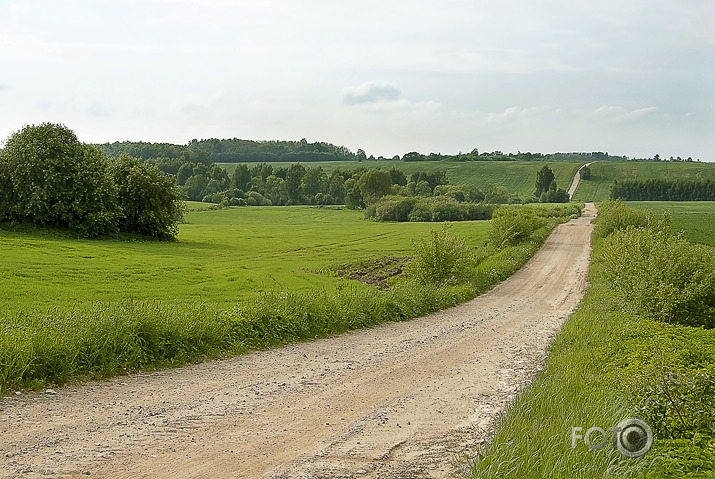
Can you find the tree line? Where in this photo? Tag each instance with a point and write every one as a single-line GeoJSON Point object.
{"type": "Point", "coordinates": [235, 150]}
{"type": "Point", "coordinates": [664, 190]}
{"type": "Point", "coordinates": [48, 177]}
{"type": "Point", "coordinates": [263, 184]}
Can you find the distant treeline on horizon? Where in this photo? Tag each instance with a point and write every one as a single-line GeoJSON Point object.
{"type": "Point", "coordinates": [249, 151]}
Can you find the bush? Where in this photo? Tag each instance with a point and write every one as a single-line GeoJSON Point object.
{"type": "Point", "coordinates": [680, 405]}
{"type": "Point", "coordinates": [48, 177]}
{"type": "Point", "coordinates": [661, 276]}
{"type": "Point", "coordinates": [437, 209]}
{"type": "Point", "coordinates": [440, 258]}
{"type": "Point", "coordinates": [513, 225]}
{"type": "Point", "coordinates": [615, 215]}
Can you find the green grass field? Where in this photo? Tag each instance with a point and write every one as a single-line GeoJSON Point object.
{"type": "Point", "coordinates": [696, 219]}
{"type": "Point", "coordinates": [220, 258]}
{"type": "Point", "coordinates": [235, 280]}
{"type": "Point", "coordinates": [518, 176]}
{"type": "Point", "coordinates": [598, 188]}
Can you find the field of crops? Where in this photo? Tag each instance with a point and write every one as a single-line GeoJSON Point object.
{"type": "Point", "coordinates": [517, 176]}
{"type": "Point", "coordinates": [598, 188]}
{"type": "Point", "coordinates": [696, 219]}
{"type": "Point", "coordinates": [220, 257]}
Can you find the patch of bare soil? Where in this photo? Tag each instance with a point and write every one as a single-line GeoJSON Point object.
{"type": "Point", "coordinates": [400, 400]}
{"type": "Point", "coordinates": [375, 272]}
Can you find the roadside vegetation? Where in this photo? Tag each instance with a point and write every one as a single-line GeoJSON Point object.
{"type": "Point", "coordinates": [640, 345]}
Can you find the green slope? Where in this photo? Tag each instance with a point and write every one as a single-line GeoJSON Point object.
{"type": "Point", "coordinates": [598, 188]}
{"type": "Point", "coordinates": [517, 176]}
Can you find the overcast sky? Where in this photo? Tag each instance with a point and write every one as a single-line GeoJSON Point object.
{"type": "Point", "coordinates": [632, 77]}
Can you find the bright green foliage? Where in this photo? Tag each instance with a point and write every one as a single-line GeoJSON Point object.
{"type": "Point", "coordinates": [662, 276]}
{"type": "Point", "coordinates": [48, 177]}
{"type": "Point", "coordinates": [676, 403]}
{"type": "Point", "coordinates": [433, 208]}
{"type": "Point", "coordinates": [440, 258]}
{"type": "Point", "coordinates": [512, 225]}
{"type": "Point", "coordinates": [655, 273]}
{"type": "Point", "coordinates": [151, 203]}
{"type": "Point", "coordinates": [616, 215]}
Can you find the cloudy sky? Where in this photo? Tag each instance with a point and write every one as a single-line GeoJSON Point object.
{"type": "Point", "coordinates": [632, 77]}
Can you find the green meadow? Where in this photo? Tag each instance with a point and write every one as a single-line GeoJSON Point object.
{"type": "Point", "coordinates": [220, 258]}
{"type": "Point", "coordinates": [236, 279]}
{"type": "Point", "coordinates": [517, 176]}
{"type": "Point", "coordinates": [696, 219]}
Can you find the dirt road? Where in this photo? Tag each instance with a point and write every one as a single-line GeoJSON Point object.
{"type": "Point", "coordinates": [577, 180]}
{"type": "Point", "coordinates": [399, 400]}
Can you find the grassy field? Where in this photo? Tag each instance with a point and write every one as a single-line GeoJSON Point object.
{"type": "Point", "coordinates": [696, 219]}
{"type": "Point", "coordinates": [220, 258]}
{"type": "Point", "coordinates": [598, 188]}
{"type": "Point", "coordinates": [236, 279]}
{"type": "Point", "coordinates": [517, 176]}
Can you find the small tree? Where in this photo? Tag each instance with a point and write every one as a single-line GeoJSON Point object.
{"type": "Point", "coordinates": [152, 204]}
{"type": "Point", "coordinates": [544, 177]}
{"type": "Point", "coordinates": [375, 184]}
{"type": "Point", "coordinates": [585, 173]}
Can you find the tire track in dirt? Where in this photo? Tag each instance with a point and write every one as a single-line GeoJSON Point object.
{"type": "Point", "coordinates": [398, 400]}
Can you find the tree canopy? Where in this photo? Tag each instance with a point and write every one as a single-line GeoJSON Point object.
{"type": "Point", "coordinates": [48, 177]}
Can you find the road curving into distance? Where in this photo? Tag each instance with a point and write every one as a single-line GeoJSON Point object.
{"type": "Point", "coordinates": [398, 400]}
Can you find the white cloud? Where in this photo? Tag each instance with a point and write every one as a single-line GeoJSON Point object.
{"type": "Point", "coordinates": [370, 93]}
{"type": "Point", "coordinates": [623, 113]}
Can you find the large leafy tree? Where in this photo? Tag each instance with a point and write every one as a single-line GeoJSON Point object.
{"type": "Point", "coordinates": [152, 204]}
{"type": "Point", "coordinates": [48, 177]}
{"type": "Point", "coordinates": [374, 185]}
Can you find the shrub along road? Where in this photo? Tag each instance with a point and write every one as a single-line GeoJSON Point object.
{"type": "Point", "coordinates": [398, 400]}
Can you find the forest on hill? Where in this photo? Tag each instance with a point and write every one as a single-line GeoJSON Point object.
{"type": "Point", "coordinates": [237, 150]}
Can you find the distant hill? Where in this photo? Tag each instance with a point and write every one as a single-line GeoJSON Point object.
{"type": "Point", "coordinates": [598, 187]}
{"type": "Point", "coordinates": [249, 151]}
